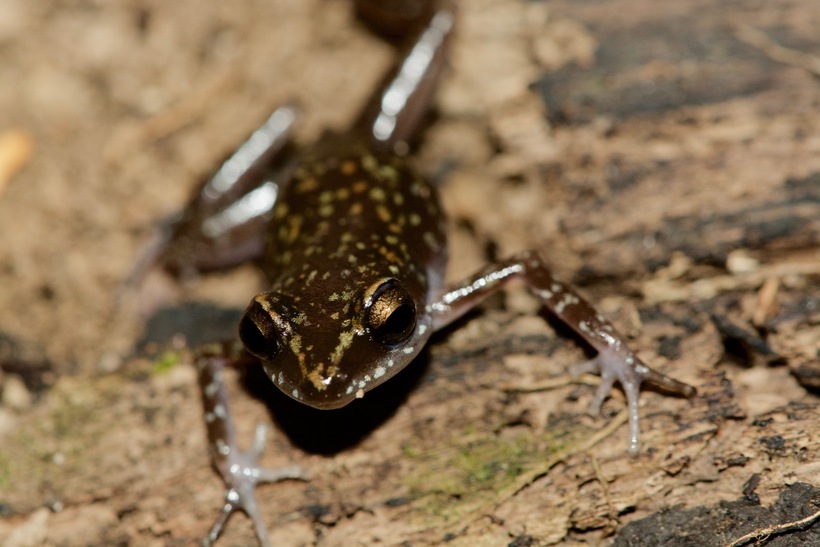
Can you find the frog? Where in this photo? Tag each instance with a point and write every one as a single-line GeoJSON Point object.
{"type": "Point", "coordinates": [353, 242]}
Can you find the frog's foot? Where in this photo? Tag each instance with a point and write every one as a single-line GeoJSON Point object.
{"type": "Point", "coordinates": [615, 361]}
{"type": "Point", "coordinates": [240, 470]}
{"type": "Point", "coordinates": [241, 473]}
{"type": "Point", "coordinates": [616, 364]}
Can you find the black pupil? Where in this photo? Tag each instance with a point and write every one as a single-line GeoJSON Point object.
{"type": "Point", "coordinates": [398, 325]}
{"type": "Point", "coordinates": [392, 315]}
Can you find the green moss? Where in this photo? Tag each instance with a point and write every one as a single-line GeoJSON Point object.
{"type": "Point", "coordinates": [166, 361]}
{"type": "Point", "coordinates": [410, 451]}
{"type": "Point", "coordinates": [479, 469]}
{"type": "Point", "coordinates": [455, 478]}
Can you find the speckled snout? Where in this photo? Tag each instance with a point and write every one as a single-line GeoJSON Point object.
{"type": "Point", "coordinates": [328, 359]}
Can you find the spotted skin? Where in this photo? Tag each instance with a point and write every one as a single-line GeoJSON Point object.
{"type": "Point", "coordinates": [355, 251]}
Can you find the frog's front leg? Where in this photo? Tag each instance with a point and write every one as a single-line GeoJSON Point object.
{"type": "Point", "coordinates": [239, 470]}
{"type": "Point", "coordinates": [615, 360]}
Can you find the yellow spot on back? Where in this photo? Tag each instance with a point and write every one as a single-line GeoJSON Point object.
{"type": "Point", "coordinates": [280, 210]}
{"type": "Point", "coordinates": [431, 241]}
{"type": "Point", "coordinates": [307, 185]}
{"type": "Point", "coordinates": [377, 194]}
{"type": "Point", "coordinates": [384, 213]}
{"type": "Point", "coordinates": [389, 173]}
{"type": "Point", "coordinates": [389, 255]}
{"type": "Point", "coordinates": [295, 223]}
{"type": "Point", "coordinates": [369, 163]}
{"type": "Point", "coordinates": [348, 167]}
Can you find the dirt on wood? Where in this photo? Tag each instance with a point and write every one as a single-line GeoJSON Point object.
{"type": "Point", "coordinates": [665, 156]}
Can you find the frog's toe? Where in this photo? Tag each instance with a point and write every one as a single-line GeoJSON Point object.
{"type": "Point", "coordinates": [242, 475]}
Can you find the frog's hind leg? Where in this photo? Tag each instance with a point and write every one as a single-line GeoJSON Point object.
{"type": "Point", "coordinates": [393, 114]}
{"type": "Point", "coordinates": [223, 224]}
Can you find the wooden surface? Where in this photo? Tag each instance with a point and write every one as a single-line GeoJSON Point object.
{"type": "Point", "coordinates": [665, 156]}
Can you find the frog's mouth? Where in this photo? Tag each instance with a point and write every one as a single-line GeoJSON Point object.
{"type": "Point", "coordinates": [333, 392]}
{"type": "Point", "coordinates": [339, 391]}
{"type": "Point", "coordinates": [320, 392]}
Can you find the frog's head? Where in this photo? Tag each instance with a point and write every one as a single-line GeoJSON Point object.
{"type": "Point", "coordinates": [327, 348]}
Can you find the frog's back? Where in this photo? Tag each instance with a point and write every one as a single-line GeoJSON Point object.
{"type": "Point", "coordinates": [353, 213]}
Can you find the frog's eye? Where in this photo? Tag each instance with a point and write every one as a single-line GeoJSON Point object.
{"type": "Point", "coordinates": [390, 313]}
{"type": "Point", "coordinates": [259, 332]}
